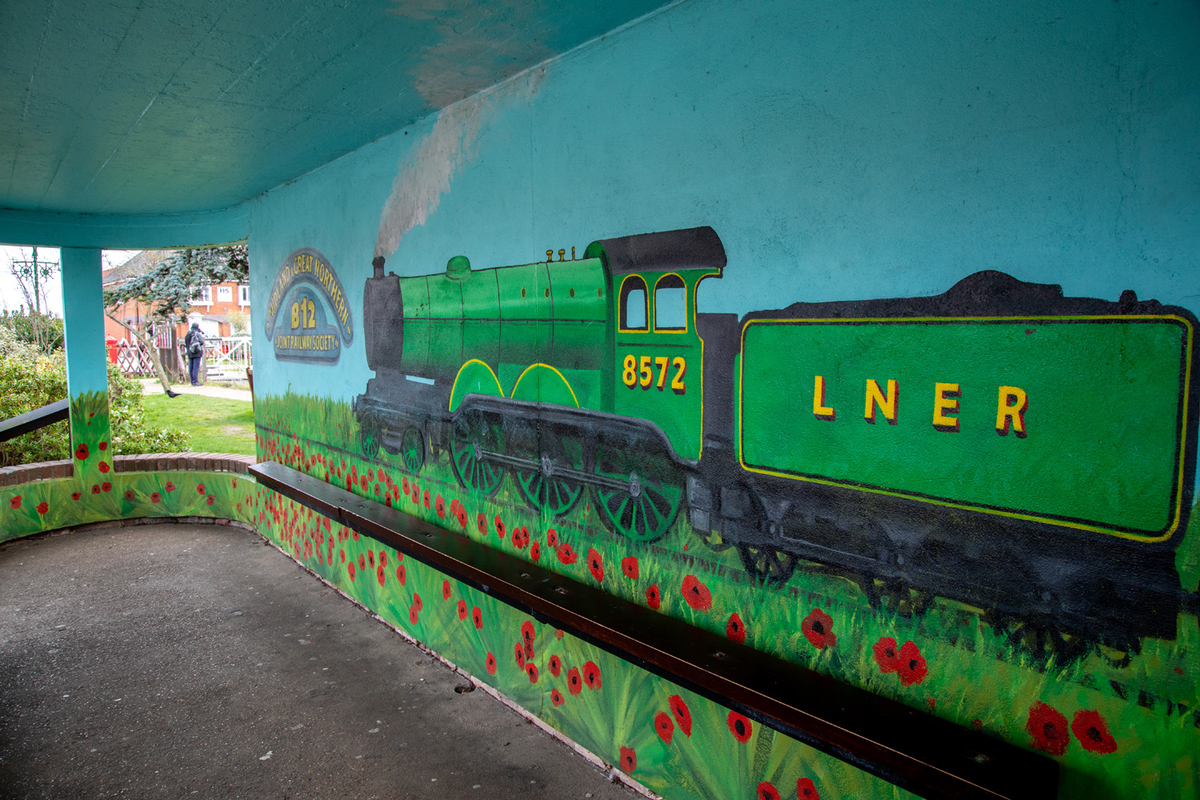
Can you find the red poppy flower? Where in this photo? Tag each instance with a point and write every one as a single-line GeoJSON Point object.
{"type": "Point", "coordinates": [532, 671]}
{"type": "Point", "coordinates": [1092, 732]}
{"type": "Point", "coordinates": [107, 487]}
{"type": "Point", "coordinates": [555, 666]}
{"type": "Point", "coordinates": [591, 675]}
{"type": "Point", "coordinates": [595, 564]}
{"type": "Point", "coordinates": [628, 760]}
{"type": "Point", "coordinates": [363, 482]}
{"type": "Point", "coordinates": [490, 663]}
{"type": "Point", "coordinates": [42, 507]}
{"type": "Point", "coordinates": [381, 575]}
{"type": "Point", "coordinates": [413, 615]}
{"type": "Point", "coordinates": [885, 654]}
{"type": "Point", "coordinates": [95, 488]}
{"type": "Point", "coordinates": [696, 593]}
{"type": "Point", "coordinates": [520, 537]}
{"type": "Point", "coordinates": [527, 632]}
{"type": "Point", "coordinates": [574, 682]}
{"type": "Point", "coordinates": [104, 445]}
{"type": "Point", "coordinates": [552, 538]}
{"type": "Point", "coordinates": [910, 665]}
{"type": "Point", "coordinates": [416, 494]}
{"type": "Point", "coordinates": [739, 726]}
{"type": "Point", "coordinates": [567, 555]}
{"type": "Point", "coordinates": [735, 631]}
{"type": "Point", "coordinates": [767, 792]}
{"type": "Point", "coordinates": [462, 609]}
{"type": "Point", "coordinates": [350, 571]}
{"type": "Point", "coordinates": [343, 555]}
{"type": "Point", "coordinates": [519, 654]}
{"type": "Point", "coordinates": [417, 602]}
{"type": "Point", "coordinates": [104, 467]}
{"type": "Point", "coordinates": [817, 627]}
{"type": "Point", "coordinates": [370, 474]}
{"type": "Point", "coordinates": [15, 502]}
{"type": "Point", "coordinates": [664, 727]}
{"type": "Point", "coordinates": [805, 790]}
{"type": "Point", "coordinates": [155, 497]}
{"type": "Point", "coordinates": [445, 590]}
{"type": "Point", "coordinates": [439, 505]}
{"type": "Point", "coordinates": [535, 551]}
{"type": "Point", "coordinates": [1048, 727]}
{"type": "Point", "coordinates": [371, 557]}
{"type": "Point", "coordinates": [81, 452]}
{"type": "Point", "coordinates": [556, 698]}
{"type": "Point", "coordinates": [653, 598]}
{"type": "Point", "coordinates": [629, 567]}
{"type": "Point", "coordinates": [129, 495]}
{"type": "Point", "coordinates": [362, 561]}
{"type": "Point", "coordinates": [481, 522]}
{"type": "Point", "coordinates": [681, 713]}
{"type": "Point", "coordinates": [209, 500]}
{"type": "Point", "coordinates": [499, 527]}
{"type": "Point", "coordinates": [74, 495]}
{"type": "Point", "coordinates": [382, 555]}
{"type": "Point", "coordinates": [477, 618]}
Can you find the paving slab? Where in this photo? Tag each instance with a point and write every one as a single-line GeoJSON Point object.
{"type": "Point", "coordinates": [152, 386]}
{"type": "Point", "coordinates": [185, 660]}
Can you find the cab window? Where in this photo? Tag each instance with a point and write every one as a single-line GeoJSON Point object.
{"type": "Point", "coordinates": [670, 304]}
{"type": "Point", "coordinates": [633, 304]}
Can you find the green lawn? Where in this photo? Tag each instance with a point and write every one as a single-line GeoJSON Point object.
{"type": "Point", "coordinates": [215, 425]}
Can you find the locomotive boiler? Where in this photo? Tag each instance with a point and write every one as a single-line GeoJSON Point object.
{"type": "Point", "coordinates": [999, 445]}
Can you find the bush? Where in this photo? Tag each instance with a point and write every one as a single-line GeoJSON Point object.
{"type": "Point", "coordinates": [48, 336]}
{"type": "Point", "coordinates": [30, 383]}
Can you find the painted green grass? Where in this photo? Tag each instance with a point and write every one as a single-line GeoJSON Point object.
{"type": "Point", "coordinates": [214, 424]}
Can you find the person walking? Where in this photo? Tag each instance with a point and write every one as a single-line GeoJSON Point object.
{"type": "Point", "coordinates": [193, 345]}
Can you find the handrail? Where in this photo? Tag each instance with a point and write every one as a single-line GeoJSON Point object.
{"type": "Point", "coordinates": [32, 420]}
{"type": "Point", "coordinates": [916, 751]}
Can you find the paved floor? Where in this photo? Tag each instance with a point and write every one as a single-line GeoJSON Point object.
{"type": "Point", "coordinates": [152, 386]}
{"type": "Point", "coordinates": [194, 661]}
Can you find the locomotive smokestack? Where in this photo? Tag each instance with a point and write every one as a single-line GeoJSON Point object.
{"type": "Point", "coordinates": [377, 263]}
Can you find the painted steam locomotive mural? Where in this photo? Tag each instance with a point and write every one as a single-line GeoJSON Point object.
{"type": "Point", "coordinates": [972, 446]}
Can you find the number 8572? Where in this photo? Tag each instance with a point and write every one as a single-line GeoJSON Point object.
{"type": "Point", "coordinates": [653, 370]}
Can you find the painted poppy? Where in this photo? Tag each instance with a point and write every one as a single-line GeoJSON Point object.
{"type": "Point", "coordinates": [371, 557]}
{"type": "Point", "coordinates": [445, 590]}
{"type": "Point", "coordinates": [653, 597]}
{"type": "Point", "coordinates": [1091, 730]}
{"type": "Point", "coordinates": [105, 468]}
{"type": "Point", "coordinates": [528, 633]}
{"type": "Point", "coordinates": [439, 505]}
{"type": "Point", "coordinates": [381, 575]}
{"type": "Point", "coordinates": [910, 665]}
{"type": "Point", "coordinates": [681, 713]}
{"type": "Point", "coordinates": [629, 567]}
{"type": "Point", "coordinates": [481, 522]}
{"type": "Point", "coordinates": [362, 562]}
{"type": "Point", "coordinates": [499, 526]}
{"type": "Point", "coordinates": [735, 631]}
{"type": "Point", "coordinates": [739, 726]}
{"type": "Point", "coordinates": [426, 496]}
{"type": "Point", "coordinates": [209, 500]}
{"type": "Point", "coordinates": [555, 666]}
{"type": "Point", "coordinates": [535, 551]}
{"type": "Point", "coordinates": [490, 664]}
{"type": "Point", "coordinates": [420, 605]}
{"type": "Point", "coordinates": [885, 654]}
{"type": "Point", "coordinates": [413, 615]}
{"type": "Point", "coordinates": [696, 593]}
{"type": "Point", "coordinates": [567, 555]}
{"type": "Point", "coordinates": [477, 617]}
{"type": "Point", "coordinates": [532, 671]}
{"type": "Point", "coordinates": [104, 445]}
{"type": "Point", "coordinates": [574, 682]}
{"type": "Point", "coordinates": [556, 698]}
{"type": "Point", "coordinates": [628, 760]}
{"type": "Point", "coordinates": [817, 627]}
{"type": "Point", "coordinates": [462, 609]}
{"type": "Point", "coordinates": [350, 571]}
{"type": "Point", "coordinates": [129, 495]}
{"type": "Point", "coordinates": [519, 654]}
{"type": "Point", "coordinates": [805, 790]}
{"type": "Point", "coordinates": [155, 497]}
{"type": "Point", "coordinates": [42, 507]}
{"type": "Point", "coordinates": [95, 488]}
{"type": "Point", "coordinates": [664, 727]}
{"type": "Point", "coordinates": [75, 495]}
{"type": "Point", "coordinates": [382, 555]}
{"type": "Point", "coordinates": [591, 675]}
{"type": "Point", "coordinates": [1048, 729]}
{"type": "Point", "coordinates": [81, 452]}
{"type": "Point", "coordinates": [15, 502]}
{"type": "Point", "coordinates": [766, 791]}
{"type": "Point", "coordinates": [595, 564]}
{"type": "Point", "coordinates": [552, 538]}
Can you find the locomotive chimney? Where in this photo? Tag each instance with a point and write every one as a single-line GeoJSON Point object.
{"type": "Point", "coordinates": [377, 263]}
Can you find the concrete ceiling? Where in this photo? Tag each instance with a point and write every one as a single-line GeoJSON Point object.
{"type": "Point", "coordinates": [144, 107]}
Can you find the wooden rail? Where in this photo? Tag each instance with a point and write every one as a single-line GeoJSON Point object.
{"type": "Point", "coordinates": [916, 751]}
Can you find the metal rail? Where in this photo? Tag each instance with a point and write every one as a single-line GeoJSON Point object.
{"type": "Point", "coordinates": [32, 420]}
{"type": "Point", "coordinates": [916, 751]}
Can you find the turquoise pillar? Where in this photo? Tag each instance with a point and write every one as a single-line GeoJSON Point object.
{"type": "Point", "coordinates": [87, 375]}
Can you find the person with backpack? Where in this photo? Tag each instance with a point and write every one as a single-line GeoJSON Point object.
{"type": "Point", "coordinates": [193, 345]}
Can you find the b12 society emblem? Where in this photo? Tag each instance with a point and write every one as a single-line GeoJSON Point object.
{"type": "Point", "coordinates": [308, 318]}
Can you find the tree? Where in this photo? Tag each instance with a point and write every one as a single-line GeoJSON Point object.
{"type": "Point", "coordinates": [33, 276]}
{"type": "Point", "coordinates": [168, 289]}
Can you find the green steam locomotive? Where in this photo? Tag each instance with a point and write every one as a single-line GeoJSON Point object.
{"type": "Point", "coordinates": [999, 444]}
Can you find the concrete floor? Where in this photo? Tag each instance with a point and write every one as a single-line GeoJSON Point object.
{"type": "Point", "coordinates": [195, 661]}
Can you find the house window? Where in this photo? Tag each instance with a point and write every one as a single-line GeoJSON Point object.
{"type": "Point", "coordinates": [203, 295]}
{"type": "Point", "coordinates": [224, 294]}
{"type": "Point", "coordinates": [243, 295]}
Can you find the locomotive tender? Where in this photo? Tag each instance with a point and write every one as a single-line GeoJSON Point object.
{"type": "Point", "coordinates": [999, 444]}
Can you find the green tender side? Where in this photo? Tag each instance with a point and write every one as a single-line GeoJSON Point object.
{"type": "Point", "coordinates": [1104, 423]}
{"type": "Point", "coordinates": [509, 318]}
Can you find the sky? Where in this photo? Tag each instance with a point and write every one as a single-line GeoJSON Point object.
{"type": "Point", "coordinates": [11, 296]}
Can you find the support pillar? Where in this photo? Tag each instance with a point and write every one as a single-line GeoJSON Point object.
{"type": "Point", "coordinates": [87, 368]}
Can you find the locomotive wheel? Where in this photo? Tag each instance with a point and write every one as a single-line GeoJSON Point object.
{"type": "Point", "coordinates": [544, 488]}
{"type": "Point", "coordinates": [370, 434]}
{"type": "Point", "coordinates": [412, 449]}
{"type": "Point", "coordinates": [895, 596]}
{"type": "Point", "coordinates": [651, 492]}
{"type": "Point", "coordinates": [766, 564]}
{"type": "Point", "coordinates": [472, 437]}
{"type": "Point", "coordinates": [1039, 639]}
